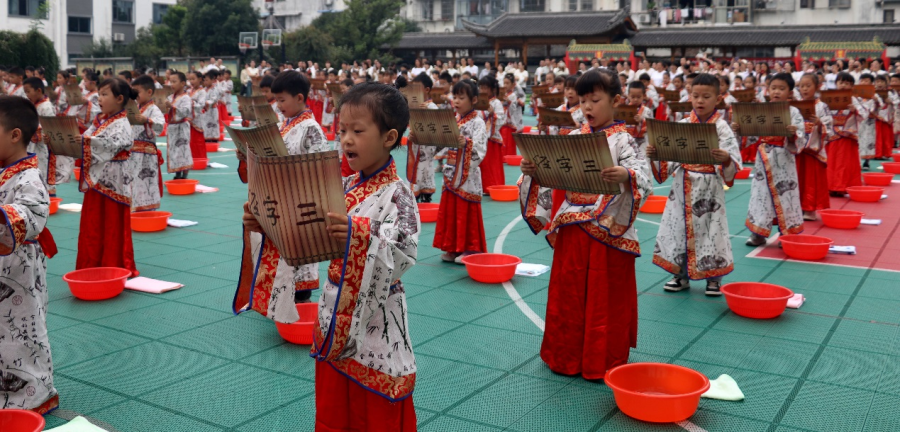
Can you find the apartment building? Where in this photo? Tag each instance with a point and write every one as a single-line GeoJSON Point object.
{"type": "Point", "coordinates": [293, 14]}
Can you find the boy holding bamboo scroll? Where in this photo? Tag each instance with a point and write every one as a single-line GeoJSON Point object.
{"type": "Point", "coordinates": [147, 185]}
{"type": "Point", "coordinates": [179, 159]}
{"type": "Point", "coordinates": [34, 92]}
{"type": "Point", "coordinates": [592, 300]}
{"type": "Point", "coordinates": [365, 366]}
{"type": "Point", "coordinates": [636, 95]}
{"type": "Point", "coordinates": [692, 242]}
{"type": "Point", "coordinates": [420, 159]}
{"type": "Point", "coordinates": [775, 193]}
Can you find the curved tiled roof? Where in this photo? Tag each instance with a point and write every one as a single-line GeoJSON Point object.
{"type": "Point", "coordinates": [763, 35]}
{"type": "Point", "coordinates": [543, 24]}
{"type": "Point", "coordinates": [446, 40]}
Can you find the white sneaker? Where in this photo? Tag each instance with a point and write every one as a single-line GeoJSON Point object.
{"type": "Point", "coordinates": [677, 284]}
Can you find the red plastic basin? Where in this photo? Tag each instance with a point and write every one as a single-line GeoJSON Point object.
{"type": "Point", "coordinates": [149, 221]}
{"type": "Point", "coordinates": [891, 167]}
{"type": "Point", "coordinates": [54, 204]}
{"type": "Point", "coordinates": [77, 173]}
{"type": "Point", "coordinates": [743, 174]}
{"type": "Point", "coordinates": [756, 300]}
{"type": "Point", "coordinates": [841, 219]}
{"type": "Point", "coordinates": [329, 136]}
{"type": "Point", "coordinates": [200, 164]}
{"type": "Point", "coordinates": [805, 247]}
{"type": "Point", "coordinates": [403, 141]}
{"type": "Point", "coordinates": [526, 129]}
{"type": "Point", "coordinates": [656, 392]}
{"type": "Point", "coordinates": [513, 160]}
{"type": "Point", "coordinates": [212, 147]}
{"type": "Point", "coordinates": [865, 193]}
{"type": "Point", "coordinates": [300, 332]}
{"type": "Point", "coordinates": [895, 157]}
{"type": "Point", "coordinates": [99, 283]}
{"type": "Point", "coordinates": [877, 179]}
{"type": "Point", "coordinates": [18, 420]}
{"type": "Point", "coordinates": [504, 193]}
{"type": "Point", "coordinates": [428, 212]}
{"type": "Point", "coordinates": [181, 187]}
{"type": "Point", "coordinates": [491, 268]}
{"type": "Point", "coordinates": [654, 204]}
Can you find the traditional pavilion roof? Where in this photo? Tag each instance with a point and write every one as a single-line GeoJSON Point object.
{"type": "Point", "coordinates": [561, 24]}
{"type": "Point", "coordinates": [763, 35]}
{"type": "Point", "coordinates": [446, 40]}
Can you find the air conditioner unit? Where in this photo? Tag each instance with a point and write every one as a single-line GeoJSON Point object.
{"type": "Point", "coordinates": [645, 19]}
{"type": "Point", "coordinates": [118, 37]}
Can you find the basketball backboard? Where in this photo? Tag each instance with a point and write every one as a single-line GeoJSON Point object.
{"type": "Point", "coordinates": [271, 37]}
{"type": "Point", "coordinates": [248, 40]}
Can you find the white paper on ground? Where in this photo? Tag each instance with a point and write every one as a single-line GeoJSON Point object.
{"type": "Point", "coordinates": [72, 207]}
{"type": "Point", "coordinates": [217, 165]}
{"type": "Point", "coordinates": [796, 301]}
{"type": "Point", "coordinates": [152, 286]}
{"type": "Point", "coordinates": [846, 250]}
{"type": "Point", "coordinates": [178, 223]}
{"type": "Point", "coordinates": [225, 150]}
{"type": "Point", "coordinates": [870, 221]}
{"type": "Point", "coordinates": [724, 388]}
{"type": "Point", "coordinates": [205, 189]}
{"type": "Point", "coordinates": [78, 424]}
{"type": "Point", "coordinates": [895, 181]}
{"type": "Point", "coordinates": [883, 196]}
{"type": "Point", "coordinates": [524, 269]}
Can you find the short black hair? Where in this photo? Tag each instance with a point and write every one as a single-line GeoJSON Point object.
{"type": "Point", "coordinates": [91, 76]}
{"type": "Point", "coordinates": [845, 77]}
{"type": "Point", "coordinates": [570, 81]}
{"type": "Point", "coordinates": [811, 76]}
{"type": "Point", "coordinates": [725, 79]}
{"type": "Point", "coordinates": [465, 87]}
{"type": "Point", "coordinates": [64, 73]}
{"type": "Point", "coordinates": [291, 82]}
{"type": "Point", "coordinates": [489, 82]}
{"type": "Point", "coordinates": [784, 77]}
{"type": "Point", "coordinates": [881, 78]}
{"type": "Point", "coordinates": [126, 75]}
{"type": "Point", "coordinates": [678, 77]}
{"type": "Point", "coordinates": [212, 74]}
{"type": "Point", "coordinates": [692, 75]}
{"type": "Point", "coordinates": [267, 81]}
{"type": "Point", "coordinates": [644, 77]}
{"type": "Point", "coordinates": [35, 83]}
{"type": "Point", "coordinates": [180, 75]}
{"type": "Point", "coordinates": [347, 82]}
{"type": "Point", "coordinates": [705, 79]}
{"type": "Point", "coordinates": [16, 112]}
{"type": "Point", "coordinates": [15, 70]}
{"type": "Point", "coordinates": [637, 85]}
{"type": "Point", "coordinates": [144, 82]}
{"type": "Point", "coordinates": [445, 76]}
{"type": "Point", "coordinates": [598, 79]}
{"type": "Point", "coordinates": [387, 105]}
{"type": "Point", "coordinates": [424, 79]}
{"type": "Point", "coordinates": [119, 87]}
{"type": "Point", "coordinates": [869, 77]}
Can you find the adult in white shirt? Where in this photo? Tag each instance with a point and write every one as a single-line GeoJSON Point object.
{"type": "Point", "coordinates": [831, 77]}
{"type": "Point", "coordinates": [210, 66]}
{"type": "Point", "coordinates": [417, 69]}
{"type": "Point", "coordinates": [656, 74]}
{"type": "Point", "coordinates": [472, 69]}
{"type": "Point", "coordinates": [540, 72]}
{"type": "Point", "coordinates": [561, 69]}
{"type": "Point", "coordinates": [521, 76]}
{"type": "Point", "coordinates": [247, 75]}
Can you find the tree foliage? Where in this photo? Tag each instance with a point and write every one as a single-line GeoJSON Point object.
{"type": "Point", "coordinates": [308, 43]}
{"type": "Point", "coordinates": [211, 27]}
{"type": "Point", "coordinates": [360, 30]}
{"type": "Point", "coordinates": [169, 36]}
{"type": "Point", "coordinates": [28, 49]}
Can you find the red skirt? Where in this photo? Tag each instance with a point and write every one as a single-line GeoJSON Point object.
{"type": "Point", "coordinates": [492, 166]}
{"type": "Point", "coordinates": [345, 406]}
{"type": "Point", "coordinates": [844, 169]}
{"type": "Point", "coordinates": [198, 144]}
{"type": "Point", "coordinates": [509, 144]}
{"type": "Point", "coordinates": [346, 171]}
{"type": "Point", "coordinates": [812, 175]}
{"type": "Point", "coordinates": [884, 139]}
{"type": "Point", "coordinates": [223, 115]}
{"type": "Point", "coordinates": [317, 106]}
{"type": "Point", "coordinates": [591, 306]}
{"type": "Point", "coordinates": [559, 197]}
{"type": "Point", "coordinates": [460, 227]}
{"type": "Point", "coordinates": [104, 237]}
{"type": "Point", "coordinates": [748, 153]}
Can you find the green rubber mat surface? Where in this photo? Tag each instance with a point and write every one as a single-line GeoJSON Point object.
{"type": "Point", "coordinates": [181, 361]}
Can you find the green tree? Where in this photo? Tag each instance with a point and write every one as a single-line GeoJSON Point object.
{"type": "Point", "coordinates": [308, 43]}
{"type": "Point", "coordinates": [105, 48]}
{"type": "Point", "coordinates": [409, 26]}
{"type": "Point", "coordinates": [211, 27]}
{"type": "Point", "coordinates": [144, 49]}
{"type": "Point", "coordinates": [365, 26]}
{"type": "Point", "coordinates": [40, 52]}
{"type": "Point", "coordinates": [10, 47]}
{"type": "Point", "coordinates": [169, 36]}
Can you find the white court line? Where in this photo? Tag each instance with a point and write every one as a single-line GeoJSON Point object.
{"type": "Point", "coordinates": [535, 318]}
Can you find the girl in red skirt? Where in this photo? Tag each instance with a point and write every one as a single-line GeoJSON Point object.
{"type": "Point", "coordinates": [513, 106]}
{"type": "Point", "coordinates": [884, 121]}
{"type": "Point", "coordinates": [812, 172]}
{"type": "Point", "coordinates": [460, 228]}
{"type": "Point", "coordinates": [844, 169]}
{"type": "Point", "coordinates": [492, 167]}
{"type": "Point", "coordinates": [104, 239]}
{"type": "Point", "coordinates": [198, 98]}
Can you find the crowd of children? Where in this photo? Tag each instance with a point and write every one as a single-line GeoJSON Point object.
{"type": "Point", "coordinates": [361, 378]}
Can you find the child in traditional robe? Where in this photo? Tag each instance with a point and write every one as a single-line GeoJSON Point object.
{"type": "Point", "coordinates": [265, 85]}
{"type": "Point", "coordinates": [812, 171]}
{"type": "Point", "coordinates": [91, 82]}
{"type": "Point", "coordinates": [866, 113]}
{"type": "Point", "coordinates": [513, 106]}
{"type": "Point", "coordinates": [592, 299]}
{"type": "Point", "coordinates": [16, 76]}
{"type": "Point", "coordinates": [179, 159]}
{"type": "Point", "coordinates": [34, 92]}
{"type": "Point", "coordinates": [693, 241]}
{"type": "Point", "coordinates": [104, 238]}
{"type": "Point", "coordinates": [774, 193]}
{"type": "Point", "coordinates": [226, 88]}
{"type": "Point", "coordinates": [25, 245]}
{"type": "Point", "coordinates": [637, 96]}
{"type": "Point", "coordinates": [302, 135]}
{"type": "Point", "coordinates": [460, 227]}
{"type": "Point", "coordinates": [420, 159]}
{"type": "Point", "coordinates": [572, 106]}
{"type": "Point", "coordinates": [727, 98]}
{"type": "Point", "coordinates": [844, 169]}
{"type": "Point", "coordinates": [211, 108]}
{"type": "Point", "coordinates": [884, 120]}
{"type": "Point", "coordinates": [147, 185]}
{"type": "Point", "coordinates": [198, 115]}
{"type": "Point", "coordinates": [492, 166]}
{"type": "Point", "coordinates": [365, 367]}
{"type": "Point", "coordinates": [895, 101]}
{"type": "Point", "coordinates": [62, 78]}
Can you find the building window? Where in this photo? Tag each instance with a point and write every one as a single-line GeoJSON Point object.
{"type": "Point", "coordinates": [843, 4]}
{"type": "Point", "coordinates": [427, 10]}
{"type": "Point", "coordinates": [587, 5]}
{"type": "Point", "coordinates": [80, 25]}
{"type": "Point", "coordinates": [807, 4]}
{"type": "Point", "coordinates": [446, 10]}
{"type": "Point", "coordinates": [573, 5]}
{"type": "Point", "coordinates": [159, 11]}
{"type": "Point", "coordinates": [25, 8]}
{"type": "Point", "coordinates": [532, 6]}
{"type": "Point", "coordinates": [123, 11]}
{"type": "Point", "coordinates": [888, 16]}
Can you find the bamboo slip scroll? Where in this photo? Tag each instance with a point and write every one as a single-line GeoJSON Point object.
{"type": "Point", "coordinates": [264, 141]}
{"type": "Point", "coordinates": [245, 106]}
{"type": "Point", "coordinates": [553, 99]}
{"type": "Point", "coordinates": [415, 94]}
{"type": "Point", "coordinates": [746, 96]}
{"type": "Point", "coordinates": [291, 197]}
{"type": "Point", "coordinates": [265, 115]}
{"type": "Point", "coordinates": [434, 127]}
{"type": "Point", "coordinates": [132, 112]}
{"type": "Point", "coordinates": [336, 93]}
{"type": "Point", "coordinates": [626, 113]}
{"type": "Point", "coordinates": [836, 100]}
{"type": "Point", "coordinates": [690, 143]}
{"type": "Point", "coordinates": [436, 93]}
{"type": "Point", "coordinates": [73, 94]}
{"type": "Point", "coordinates": [762, 119]}
{"type": "Point", "coordinates": [671, 95]}
{"type": "Point", "coordinates": [552, 117]}
{"type": "Point", "coordinates": [65, 138]}
{"type": "Point", "coordinates": [484, 102]}
{"type": "Point", "coordinates": [681, 107]}
{"type": "Point", "coordinates": [570, 162]}
{"type": "Point", "coordinates": [317, 83]}
{"type": "Point", "coordinates": [865, 91]}
{"type": "Point", "coordinates": [160, 97]}
{"type": "Point", "coordinates": [807, 108]}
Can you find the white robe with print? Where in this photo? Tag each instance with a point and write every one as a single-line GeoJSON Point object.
{"type": "Point", "coordinates": [145, 188]}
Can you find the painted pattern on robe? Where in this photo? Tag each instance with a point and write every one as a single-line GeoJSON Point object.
{"type": "Point", "coordinates": [178, 133]}
{"type": "Point", "coordinates": [46, 161]}
{"type": "Point", "coordinates": [107, 166]}
{"type": "Point", "coordinates": [145, 188]}
{"type": "Point", "coordinates": [420, 165]}
{"type": "Point", "coordinates": [866, 125]}
{"type": "Point", "coordinates": [210, 119]}
{"type": "Point", "coordinates": [464, 178]}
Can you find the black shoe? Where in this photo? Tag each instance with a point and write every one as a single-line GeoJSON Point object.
{"type": "Point", "coordinates": [426, 198]}
{"type": "Point", "coordinates": [677, 284]}
{"type": "Point", "coordinates": [835, 194]}
{"type": "Point", "coordinates": [865, 165]}
{"type": "Point", "coordinates": [755, 240]}
{"type": "Point", "coordinates": [712, 288]}
{"type": "Point", "coordinates": [302, 296]}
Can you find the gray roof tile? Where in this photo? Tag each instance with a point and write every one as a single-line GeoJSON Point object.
{"type": "Point", "coordinates": [763, 35]}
